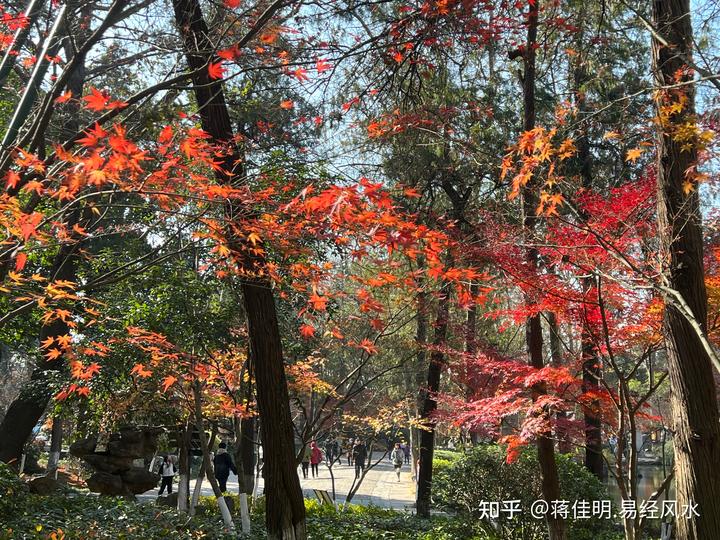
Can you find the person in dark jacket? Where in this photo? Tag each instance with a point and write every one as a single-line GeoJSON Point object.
{"type": "Point", "coordinates": [223, 464]}
{"type": "Point", "coordinates": [359, 454]}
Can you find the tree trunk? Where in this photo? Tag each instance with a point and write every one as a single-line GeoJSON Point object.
{"type": "Point", "coordinates": [550, 482]}
{"type": "Point", "coordinates": [693, 398]}
{"type": "Point", "coordinates": [591, 368]}
{"type": "Point", "coordinates": [429, 406]}
{"type": "Point", "coordinates": [285, 508]}
{"type": "Point", "coordinates": [183, 491]}
{"type": "Point", "coordinates": [56, 437]}
{"type": "Point", "coordinates": [207, 463]}
{"type": "Point", "coordinates": [564, 443]}
{"type": "Point", "coordinates": [247, 453]}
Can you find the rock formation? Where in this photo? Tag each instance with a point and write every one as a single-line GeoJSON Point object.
{"type": "Point", "coordinates": [115, 473]}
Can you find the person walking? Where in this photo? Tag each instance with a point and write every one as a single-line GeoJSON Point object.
{"type": "Point", "coordinates": [398, 459]}
{"type": "Point", "coordinates": [167, 472]}
{"type": "Point", "coordinates": [406, 451]}
{"type": "Point", "coordinates": [305, 462]}
{"type": "Point", "coordinates": [316, 456]}
{"type": "Point", "coordinates": [223, 464]}
{"type": "Point", "coordinates": [329, 451]}
{"type": "Point", "coordinates": [359, 454]}
{"type": "Point", "coordinates": [349, 449]}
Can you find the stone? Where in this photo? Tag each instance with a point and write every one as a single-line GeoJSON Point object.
{"type": "Point", "coordinates": [83, 447]}
{"type": "Point", "coordinates": [113, 462]}
{"type": "Point", "coordinates": [126, 448]}
{"type": "Point", "coordinates": [169, 500]}
{"type": "Point", "coordinates": [139, 480]}
{"type": "Point", "coordinates": [108, 464]}
{"type": "Point", "coordinates": [106, 484]}
{"type": "Point", "coordinates": [44, 485]}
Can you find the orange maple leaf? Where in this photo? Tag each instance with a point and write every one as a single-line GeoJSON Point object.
{"type": "Point", "coordinates": [168, 382]}
{"type": "Point", "coordinates": [633, 154]}
{"type": "Point", "coordinates": [65, 96]}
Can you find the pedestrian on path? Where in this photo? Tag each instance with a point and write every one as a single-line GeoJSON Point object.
{"type": "Point", "coordinates": [329, 450]}
{"type": "Point", "coordinates": [349, 448]}
{"type": "Point", "coordinates": [305, 462]}
{"type": "Point", "coordinates": [359, 454]}
{"type": "Point", "coordinates": [398, 459]}
{"type": "Point", "coordinates": [167, 472]}
{"type": "Point", "coordinates": [316, 456]}
{"type": "Point", "coordinates": [222, 465]}
{"type": "Point", "coordinates": [406, 451]}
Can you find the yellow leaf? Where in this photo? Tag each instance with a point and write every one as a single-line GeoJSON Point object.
{"type": "Point", "coordinates": [611, 135]}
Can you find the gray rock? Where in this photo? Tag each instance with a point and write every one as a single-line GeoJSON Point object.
{"type": "Point", "coordinates": [169, 500]}
{"type": "Point", "coordinates": [106, 484]}
{"type": "Point", "coordinates": [115, 472]}
{"type": "Point", "coordinates": [139, 480]}
{"type": "Point", "coordinates": [44, 485]}
{"type": "Point", "coordinates": [108, 464]}
{"type": "Point", "coordinates": [83, 447]}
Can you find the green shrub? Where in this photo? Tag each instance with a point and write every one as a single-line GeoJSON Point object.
{"type": "Point", "coordinates": [86, 516]}
{"type": "Point", "coordinates": [448, 455]}
{"type": "Point", "coordinates": [483, 475]}
{"type": "Point", "coordinates": [208, 505]}
{"type": "Point", "coordinates": [12, 489]}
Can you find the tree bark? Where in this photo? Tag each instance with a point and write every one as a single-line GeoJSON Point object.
{"type": "Point", "coordinates": [429, 405]}
{"type": "Point", "coordinates": [207, 463]}
{"type": "Point", "coordinates": [285, 508]}
{"type": "Point", "coordinates": [591, 368]}
{"type": "Point", "coordinates": [56, 437]}
{"type": "Point", "coordinates": [549, 480]}
{"type": "Point", "coordinates": [184, 438]}
{"type": "Point", "coordinates": [693, 399]}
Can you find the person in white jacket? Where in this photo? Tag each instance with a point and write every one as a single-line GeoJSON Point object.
{"type": "Point", "coordinates": [167, 472]}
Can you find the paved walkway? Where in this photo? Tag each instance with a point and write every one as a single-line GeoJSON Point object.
{"type": "Point", "coordinates": [380, 486]}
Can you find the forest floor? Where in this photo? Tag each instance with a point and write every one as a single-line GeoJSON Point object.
{"type": "Point", "coordinates": [379, 488]}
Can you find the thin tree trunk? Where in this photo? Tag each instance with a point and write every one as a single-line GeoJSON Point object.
{"type": "Point", "coordinates": [56, 437]}
{"type": "Point", "coordinates": [285, 508]}
{"type": "Point", "coordinates": [693, 395]}
{"type": "Point", "coordinates": [184, 468]}
{"type": "Point", "coordinates": [429, 406]}
{"type": "Point", "coordinates": [197, 490]}
{"type": "Point", "coordinates": [222, 504]}
{"type": "Point", "coordinates": [564, 445]}
{"type": "Point", "coordinates": [549, 480]}
{"type": "Point", "coordinates": [591, 368]}
{"type": "Point", "coordinates": [421, 335]}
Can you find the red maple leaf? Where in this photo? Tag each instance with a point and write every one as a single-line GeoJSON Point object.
{"type": "Point", "coordinates": [216, 70]}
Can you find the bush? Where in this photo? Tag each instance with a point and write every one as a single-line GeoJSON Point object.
{"type": "Point", "coordinates": [12, 489]}
{"type": "Point", "coordinates": [87, 516]}
{"type": "Point", "coordinates": [355, 521]}
{"type": "Point", "coordinates": [483, 475]}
